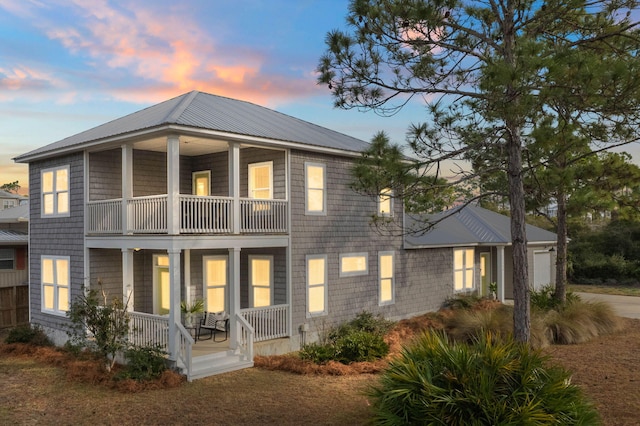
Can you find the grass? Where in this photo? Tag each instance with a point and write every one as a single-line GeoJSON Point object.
{"type": "Point", "coordinates": [605, 289]}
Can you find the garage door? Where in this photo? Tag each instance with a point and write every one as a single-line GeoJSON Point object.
{"type": "Point", "coordinates": [541, 269]}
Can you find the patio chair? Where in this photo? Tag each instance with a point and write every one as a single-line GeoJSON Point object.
{"type": "Point", "coordinates": [214, 322]}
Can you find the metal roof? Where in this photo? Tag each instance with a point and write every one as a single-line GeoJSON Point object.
{"type": "Point", "coordinates": [469, 225]}
{"type": "Point", "coordinates": [18, 213]}
{"type": "Point", "coordinates": [203, 111]}
{"type": "Point", "coordinates": [8, 236]}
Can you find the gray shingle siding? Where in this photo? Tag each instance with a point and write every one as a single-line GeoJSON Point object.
{"type": "Point", "coordinates": [256, 155]}
{"type": "Point", "coordinates": [60, 236]}
{"type": "Point", "coordinates": [422, 278]}
{"type": "Point", "coordinates": [105, 175]}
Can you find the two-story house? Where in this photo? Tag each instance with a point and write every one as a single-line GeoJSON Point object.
{"type": "Point", "coordinates": [249, 209]}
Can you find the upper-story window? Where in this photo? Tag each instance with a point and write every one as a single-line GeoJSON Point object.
{"type": "Point", "coordinates": [55, 191]}
{"type": "Point", "coordinates": [315, 194]}
{"type": "Point", "coordinates": [385, 203]}
{"type": "Point", "coordinates": [261, 180]}
{"type": "Point", "coordinates": [202, 183]}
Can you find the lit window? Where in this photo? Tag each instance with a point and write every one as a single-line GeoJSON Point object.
{"type": "Point", "coordinates": [261, 180]}
{"type": "Point", "coordinates": [161, 284]}
{"type": "Point", "coordinates": [215, 283]}
{"type": "Point", "coordinates": [55, 284]}
{"type": "Point", "coordinates": [385, 205]}
{"type": "Point", "coordinates": [55, 191]}
{"type": "Point", "coordinates": [315, 194]}
{"type": "Point", "coordinates": [261, 278]}
{"type": "Point", "coordinates": [354, 264]}
{"type": "Point", "coordinates": [201, 183]}
{"type": "Point", "coordinates": [463, 269]}
{"type": "Point", "coordinates": [7, 258]}
{"type": "Point", "coordinates": [316, 285]}
{"type": "Point", "coordinates": [386, 277]}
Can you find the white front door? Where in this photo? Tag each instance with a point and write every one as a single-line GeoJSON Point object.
{"type": "Point", "coordinates": [215, 283]}
{"type": "Point", "coordinates": [541, 269]}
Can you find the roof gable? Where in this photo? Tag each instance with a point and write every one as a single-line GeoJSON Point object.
{"type": "Point", "coordinates": [469, 225]}
{"type": "Point", "coordinates": [203, 111]}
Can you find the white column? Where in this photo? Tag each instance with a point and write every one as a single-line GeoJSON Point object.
{"type": "Point", "coordinates": [173, 185]}
{"type": "Point", "coordinates": [127, 278]}
{"type": "Point", "coordinates": [174, 301]}
{"type": "Point", "coordinates": [127, 184]}
{"type": "Point", "coordinates": [187, 276]}
{"type": "Point", "coordinates": [234, 184]}
{"type": "Point", "coordinates": [500, 278]}
{"type": "Point", "coordinates": [234, 294]}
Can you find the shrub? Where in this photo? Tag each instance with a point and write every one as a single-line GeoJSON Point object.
{"type": "Point", "coordinates": [32, 335]}
{"type": "Point", "coordinates": [580, 321]}
{"type": "Point", "coordinates": [317, 353]}
{"type": "Point", "coordinates": [464, 301]}
{"type": "Point", "coordinates": [544, 299]}
{"type": "Point", "coordinates": [491, 381]}
{"type": "Point", "coordinates": [467, 325]}
{"type": "Point", "coordinates": [359, 346]}
{"type": "Point", "coordinates": [143, 363]}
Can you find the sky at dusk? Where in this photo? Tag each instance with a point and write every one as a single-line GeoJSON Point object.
{"type": "Point", "coordinates": [69, 65]}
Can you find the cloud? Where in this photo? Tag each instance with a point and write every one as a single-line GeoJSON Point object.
{"type": "Point", "coordinates": [147, 53]}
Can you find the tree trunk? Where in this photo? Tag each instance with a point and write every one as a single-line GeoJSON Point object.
{"type": "Point", "coordinates": [560, 293]}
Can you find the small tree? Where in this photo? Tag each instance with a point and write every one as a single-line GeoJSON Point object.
{"type": "Point", "coordinates": [10, 187]}
{"type": "Point", "coordinates": [101, 327]}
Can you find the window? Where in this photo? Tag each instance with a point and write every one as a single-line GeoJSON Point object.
{"type": "Point", "coordinates": [261, 180]}
{"type": "Point", "coordinates": [386, 277]}
{"type": "Point", "coordinates": [215, 283]}
{"type": "Point", "coordinates": [201, 183]}
{"type": "Point", "coordinates": [316, 285]}
{"type": "Point", "coordinates": [55, 191]}
{"type": "Point", "coordinates": [6, 204]}
{"type": "Point", "coordinates": [463, 270]}
{"type": "Point", "coordinates": [354, 264]}
{"type": "Point", "coordinates": [161, 284]}
{"type": "Point", "coordinates": [385, 203]}
{"type": "Point", "coordinates": [7, 258]}
{"type": "Point", "coordinates": [55, 284]}
{"type": "Point", "coordinates": [261, 279]}
{"type": "Point", "coordinates": [315, 195]}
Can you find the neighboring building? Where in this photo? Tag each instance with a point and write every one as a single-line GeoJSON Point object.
{"type": "Point", "coordinates": [208, 197]}
{"type": "Point", "coordinates": [9, 200]}
{"type": "Point", "coordinates": [14, 275]}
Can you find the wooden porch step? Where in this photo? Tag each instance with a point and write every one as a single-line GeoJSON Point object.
{"type": "Point", "coordinates": [222, 362]}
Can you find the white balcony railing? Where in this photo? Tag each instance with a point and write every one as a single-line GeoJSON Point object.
{"type": "Point", "coordinates": [149, 330]}
{"type": "Point", "coordinates": [270, 322]}
{"type": "Point", "coordinates": [198, 215]}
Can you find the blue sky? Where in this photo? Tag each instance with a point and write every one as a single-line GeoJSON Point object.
{"type": "Point", "coordinates": [69, 65]}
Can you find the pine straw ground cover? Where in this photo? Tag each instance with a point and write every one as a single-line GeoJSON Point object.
{"type": "Point", "coordinates": [45, 386]}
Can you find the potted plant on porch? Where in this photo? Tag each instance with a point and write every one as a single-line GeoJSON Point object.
{"type": "Point", "coordinates": [189, 310]}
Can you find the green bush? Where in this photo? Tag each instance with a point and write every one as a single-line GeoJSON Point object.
{"type": "Point", "coordinates": [32, 335]}
{"type": "Point", "coordinates": [143, 363]}
{"type": "Point", "coordinates": [490, 382]}
{"type": "Point", "coordinates": [361, 339]}
{"type": "Point", "coordinates": [544, 299]}
{"type": "Point", "coordinates": [464, 301]}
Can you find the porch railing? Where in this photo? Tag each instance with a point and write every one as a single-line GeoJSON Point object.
{"type": "Point", "coordinates": [270, 322]}
{"type": "Point", "coordinates": [185, 343]}
{"type": "Point", "coordinates": [246, 337]}
{"type": "Point", "coordinates": [149, 330]}
{"type": "Point", "coordinates": [205, 215]}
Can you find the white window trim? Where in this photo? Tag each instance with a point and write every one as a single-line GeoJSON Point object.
{"type": "Point", "coordinates": [325, 285]}
{"type": "Point", "coordinates": [322, 212]}
{"type": "Point", "coordinates": [355, 273]}
{"type": "Point", "coordinates": [56, 292]}
{"type": "Point", "coordinates": [197, 174]}
{"type": "Point", "coordinates": [385, 193]}
{"type": "Point", "coordinates": [55, 193]}
{"type": "Point", "coordinates": [271, 274]}
{"type": "Point", "coordinates": [393, 278]}
{"type": "Point", "coordinates": [464, 269]}
{"type": "Point", "coordinates": [205, 285]}
{"type": "Point", "coordinates": [251, 188]}
{"type": "Point", "coordinates": [12, 257]}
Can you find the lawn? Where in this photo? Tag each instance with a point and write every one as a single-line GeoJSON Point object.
{"type": "Point", "coordinates": [632, 290]}
{"type": "Point", "coordinates": [36, 392]}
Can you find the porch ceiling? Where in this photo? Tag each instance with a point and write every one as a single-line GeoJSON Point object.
{"type": "Point", "coordinates": [189, 145]}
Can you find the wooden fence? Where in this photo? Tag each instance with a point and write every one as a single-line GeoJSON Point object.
{"type": "Point", "coordinates": [14, 306]}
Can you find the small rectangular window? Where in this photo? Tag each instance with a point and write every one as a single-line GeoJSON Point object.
{"type": "Point", "coordinates": [201, 183]}
{"type": "Point", "coordinates": [55, 284]}
{"type": "Point", "coordinates": [315, 194]}
{"type": "Point", "coordinates": [316, 285]}
{"type": "Point", "coordinates": [354, 264]}
{"type": "Point", "coordinates": [385, 203]}
{"type": "Point", "coordinates": [55, 191]}
{"type": "Point", "coordinates": [7, 258]}
{"type": "Point", "coordinates": [386, 277]}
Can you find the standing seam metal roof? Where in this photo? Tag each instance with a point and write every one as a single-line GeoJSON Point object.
{"type": "Point", "coordinates": [210, 112]}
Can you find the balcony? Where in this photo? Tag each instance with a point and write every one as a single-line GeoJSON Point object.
{"type": "Point", "coordinates": [198, 215]}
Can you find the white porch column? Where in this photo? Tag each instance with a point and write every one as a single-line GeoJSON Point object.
{"type": "Point", "coordinates": [173, 185]}
{"type": "Point", "coordinates": [127, 184]}
{"type": "Point", "coordinates": [234, 294]}
{"type": "Point", "coordinates": [187, 276]}
{"type": "Point", "coordinates": [127, 278]}
{"type": "Point", "coordinates": [234, 185]}
{"type": "Point", "coordinates": [500, 277]}
{"type": "Point", "coordinates": [174, 301]}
